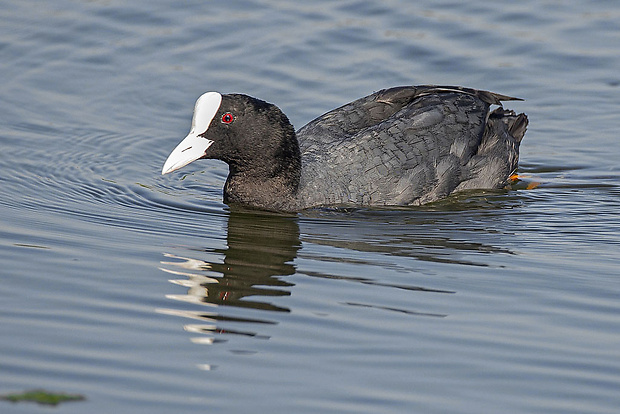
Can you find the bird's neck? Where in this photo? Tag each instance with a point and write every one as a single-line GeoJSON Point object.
{"type": "Point", "coordinates": [270, 194]}
{"type": "Point", "coordinates": [270, 180]}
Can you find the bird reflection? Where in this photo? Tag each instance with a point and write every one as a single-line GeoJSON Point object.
{"type": "Point", "coordinates": [261, 249]}
{"type": "Point", "coordinates": [239, 289]}
{"type": "Point", "coordinates": [260, 252]}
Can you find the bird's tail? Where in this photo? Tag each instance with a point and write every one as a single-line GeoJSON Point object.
{"type": "Point", "coordinates": [516, 125]}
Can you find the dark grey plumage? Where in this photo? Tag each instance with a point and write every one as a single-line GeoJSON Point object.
{"type": "Point", "coordinates": [400, 146]}
{"type": "Point", "coordinates": [409, 146]}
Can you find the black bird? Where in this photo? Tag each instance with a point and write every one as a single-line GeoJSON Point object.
{"type": "Point", "coordinates": [401, 146]}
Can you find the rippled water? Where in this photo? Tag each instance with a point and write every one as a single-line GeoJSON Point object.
{"type": "Point", "coordinates": [144, 292]}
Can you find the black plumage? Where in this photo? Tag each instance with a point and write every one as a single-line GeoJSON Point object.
{"type": "Point", "coordinates": [400, 146]}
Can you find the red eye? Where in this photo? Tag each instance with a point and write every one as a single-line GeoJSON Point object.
{"type": "Point", "coordinates": [227, 118]}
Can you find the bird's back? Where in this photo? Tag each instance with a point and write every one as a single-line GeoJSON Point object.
{"type": "Point", "coordinates": [407, 146]}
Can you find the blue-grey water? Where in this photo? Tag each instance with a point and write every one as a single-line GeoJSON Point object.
{"type": "Point", "coordinates": [145, 293]}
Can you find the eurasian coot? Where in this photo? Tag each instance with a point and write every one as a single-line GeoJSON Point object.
{"type": "Point", "coordinates": [406, 145]}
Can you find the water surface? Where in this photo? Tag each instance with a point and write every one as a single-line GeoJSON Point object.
{"type": "Point", "coordinates": [145, 293]}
